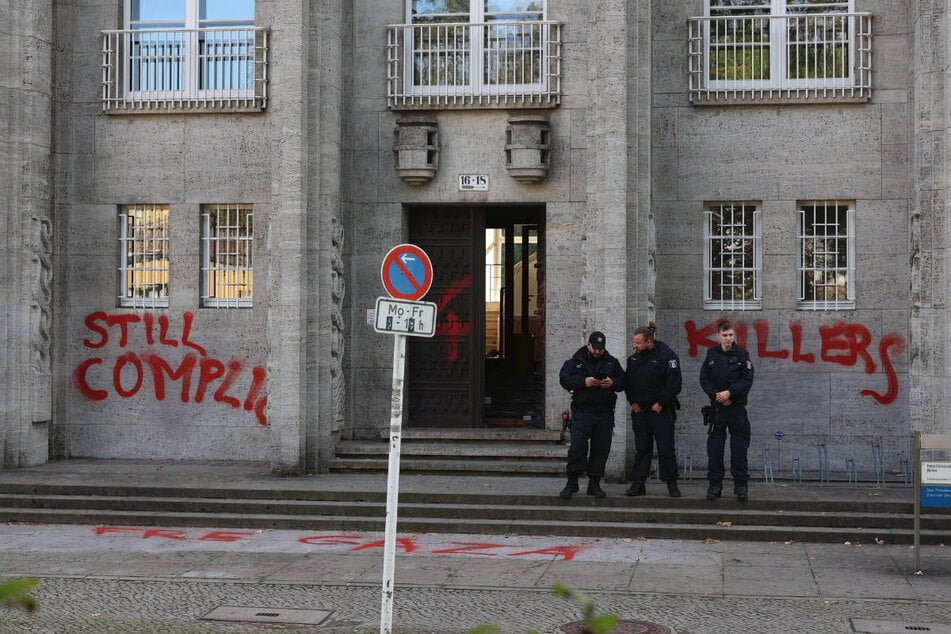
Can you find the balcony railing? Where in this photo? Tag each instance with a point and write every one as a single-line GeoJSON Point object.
{"type": "Point", "coordinates": [217, 70]}
{"type": "Point", "coordinates": [816, 57]}
{"type": "Point", "coordinates": [468, 65]}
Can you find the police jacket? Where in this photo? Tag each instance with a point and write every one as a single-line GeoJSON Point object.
{"type": "Point", "coordinates": [727, 370]}
{"type": "Point", "coordinates": [653, 376]}
{"type": "Point", "coordinates": [591, 399]}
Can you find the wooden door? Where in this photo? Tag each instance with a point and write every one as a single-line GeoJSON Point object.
{"type": "Point", "coordinates": [444, 373]}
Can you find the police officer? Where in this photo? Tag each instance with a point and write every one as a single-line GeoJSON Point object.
{"type": "Point", "coordinates": [727, 376]}
{"type": "Point", "coordinates": [593, 377]}
{"type": "Point", "coordinates": [652, 383]}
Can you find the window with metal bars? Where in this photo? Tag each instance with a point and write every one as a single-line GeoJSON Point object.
{"type": "Point", "coordinates": [732, 259]}
{"type": "Point", "coordinates": [504, 49]}
{"type": "Point", "coordinates": [826, 255]}
{"type": "Point", "coordinates": [227, 270]}
{"type": "Point", "coordinates": [780, 49]}
{"type": "Point", "coordinates": [143, 256]}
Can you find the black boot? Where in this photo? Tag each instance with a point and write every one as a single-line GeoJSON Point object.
{"type": "Point", "coordinates": [715, 490]}
{"type": "Point", "coordinates": [673, 489]}
{"type": "Point", "coordinates": [571, 487]}
{"type": "Point", "coordinates": [594, 487]}
{"type": "Point", "coordinates": [742, 492]}
{"type": "Point", "coordinates": [637, 488]}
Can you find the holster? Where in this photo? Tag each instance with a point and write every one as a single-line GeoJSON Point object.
{"type": "Point", "coordinates": [710, 417]}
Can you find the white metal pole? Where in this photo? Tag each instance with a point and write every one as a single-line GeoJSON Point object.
{"type": "Point", "coordinates": [393, 484]}
{"type": "Point", "coordinates": [917, 481]}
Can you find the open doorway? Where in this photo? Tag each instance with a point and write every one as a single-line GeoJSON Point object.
{"type": "Point", "coordinates": [484, 366]}
{"type": "Point", "coordinates": [513, 328]}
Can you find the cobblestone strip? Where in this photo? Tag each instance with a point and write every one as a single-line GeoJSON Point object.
{"type": "Point", "coordinates": [124, 606]}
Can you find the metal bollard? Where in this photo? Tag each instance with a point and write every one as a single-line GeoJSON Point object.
{"type": "Point", "coordinates": [823, 463]}
{"type": "Point", "coordinates": [878, 460]}
{"type": "Point", "coordinates": [905, 468]}
{"type": "Point", "coordinates": [767, 466]}
{"type": "Point", "coordinates": [850, 472]}
{"type": "Point", "coordinates": [797, 469]}
{"type": "Point", "coordinates": [688, 468]}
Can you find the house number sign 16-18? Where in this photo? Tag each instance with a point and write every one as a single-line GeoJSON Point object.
{"type": "Point", "coordinates": [473, 182]}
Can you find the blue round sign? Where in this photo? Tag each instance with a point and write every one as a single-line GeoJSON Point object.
{"type": "Point", "coordinates": [780, 435]}
{"type": "Point", "coordinates": [407, 272]}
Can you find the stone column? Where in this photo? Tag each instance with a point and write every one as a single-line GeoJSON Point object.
{"type": "Point", "coordinates": [929, 323]}
{"type": "Point", "coordinates": [25, 232]}
{"type": "Point", "coordinates": [617, 241]}
{"type": "Point", "coordinates": [305, 237]}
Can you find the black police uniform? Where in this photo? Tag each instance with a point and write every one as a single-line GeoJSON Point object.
{"type": "Point", "coordinates": [654, 377]}
{"type": "Point", "coordinates": [592, 411]}
{"type": "Point", "coordinates": [728, 370]}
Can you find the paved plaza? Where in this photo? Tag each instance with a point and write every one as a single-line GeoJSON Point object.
{"type": "Point", "coordinates": [155, 579]}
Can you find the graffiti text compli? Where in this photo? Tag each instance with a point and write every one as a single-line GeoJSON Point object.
{"type": "Point", "coordinates": [130, 368]}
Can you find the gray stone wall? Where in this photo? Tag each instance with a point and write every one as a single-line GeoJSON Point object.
{"type": "Point", "coordinates": [776, 156]}
{"type": "Point", "coordinates": [26, 231]}
{"type": "Point", "coordinates": [633, 165]}
{"type": "Point", "coordinates": [929, 230]}
{"type": "Point", "coordinates": [269, 160]}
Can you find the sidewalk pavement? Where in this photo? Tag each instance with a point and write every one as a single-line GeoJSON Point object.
{"type": "Point", "coordinates": [165, 579]}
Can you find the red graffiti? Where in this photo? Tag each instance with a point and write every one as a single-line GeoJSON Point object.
{"type": "Point", "coordinates": [450, 326]}
{"type": "Point", "coordinates": [95, 321]}
{"type": "Point", "coordinates": [174, 533]}
{"type": "Point", "coordinates": [468, 548]}
{"type": "Point", "coordinates": [353, 543]}
{"type": "Point", "coordinates": [131, 368]}
{"type": "Point", "coordinates": [842, 343]}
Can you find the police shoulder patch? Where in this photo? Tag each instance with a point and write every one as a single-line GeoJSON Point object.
{"type": "Point", "coordinates": [673, 363]}
{"type": "Point", "coordinates": [749, 364]}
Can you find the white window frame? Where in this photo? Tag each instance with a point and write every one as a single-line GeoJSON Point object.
{"type": "Point", "coordinates": [711, 270]}
{"type": "Point", "coordinates": [190, 43]}
{"type": "Point", "coordinates": [234, 250]}
{"type": "Point", "coordinates": [143, 235]}
{"type": "Point", "coordinates": [844, 272]}
{"type": "Point", "coordinates": [779, 46]}
{"type": "Point", "coordinates": [476, 27]}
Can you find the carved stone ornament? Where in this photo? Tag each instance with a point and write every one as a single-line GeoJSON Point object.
{"type": "Point", "coordinates": [417, 148]}
{"type": "Point", "coordinates": [528, 148]}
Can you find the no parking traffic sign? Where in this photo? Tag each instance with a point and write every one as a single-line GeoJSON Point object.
{"type": "Point", "coordinates": [407, 272]}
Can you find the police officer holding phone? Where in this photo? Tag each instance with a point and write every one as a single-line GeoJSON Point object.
{"type": "Point", "coordinates": [593, 377]}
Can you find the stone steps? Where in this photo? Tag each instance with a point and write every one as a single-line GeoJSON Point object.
{"type": "Point", "coordinates": [515, 451]}
{"type": "Point", "coordinates": [475, 512]}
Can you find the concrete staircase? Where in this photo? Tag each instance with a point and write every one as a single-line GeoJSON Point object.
{"type": "Point", "coordinates": [483, 505]}
{"type": "Point", "coordinates": [508, 451]}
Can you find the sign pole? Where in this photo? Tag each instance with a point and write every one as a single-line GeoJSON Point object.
{"type": "Point", "coordinates": [393, 484]}
{"type": "Point", "coordinates": [917, 437]}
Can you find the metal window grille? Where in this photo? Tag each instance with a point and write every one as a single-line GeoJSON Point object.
{"type": "Point", "coordinates": [227, 271]}
{"type": "Point", "coordinates": [813, 50]}
{"type": "Point", "coordinates": [732, 257]}
{"type": "Point", "coordinates": [474, 64]}
{"type": "Point", "coordinates": [191, 70]}
{"type": "Point", "coordinates": [143, 257]}
{"type": "Point", "coordinates": [826, 255]}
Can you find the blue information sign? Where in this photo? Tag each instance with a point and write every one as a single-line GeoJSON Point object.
{"type": "Point", "coordinates": [936, 496]}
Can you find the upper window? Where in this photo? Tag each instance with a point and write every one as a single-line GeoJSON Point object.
{"type": "Point", "coordinates": [731, 257]}
{"type": "Point", "coordinates": [185, 54]}
{"type": "Point", "coordinates": [469, 52]}
{"type": "Point", "coordinates": [143, 256]}
{"type": "Point", "coordinates": [807, 49]}
{"type": "Point", "coordinates": [826, 256]}
{"type": "Point", "coordinates": [227, 270]}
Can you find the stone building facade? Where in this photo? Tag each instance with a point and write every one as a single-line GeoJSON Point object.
{"type": "Point", "coordinates": [673, 162]}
